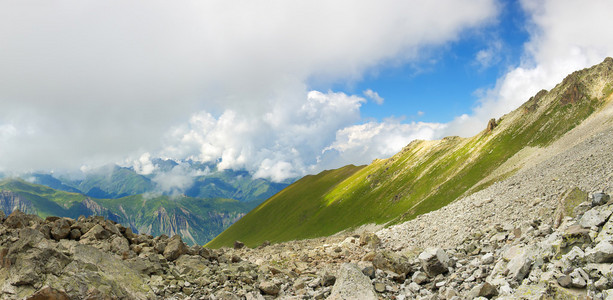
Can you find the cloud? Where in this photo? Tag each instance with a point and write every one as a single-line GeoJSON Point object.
{"type": "Point", "coordinates": [359, 144]}
{"type": "Point", "coordinates": [556, 48]}
{"type": "Point", "coordinates": [374, 96]}
{"type": "Point", "coordinates": [490, 55]}
{"type": "Point", "coordinates": [92, 82]}
{"type": "Point", "coordinates": [143, 165]}
{"type": "Point", "coordinates": [174, 182]}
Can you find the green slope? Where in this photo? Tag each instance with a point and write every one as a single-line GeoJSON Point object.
{"type": "Point", "coordinates": [425, 175]}
{"type": "Point", "coordinates": [286, 214]}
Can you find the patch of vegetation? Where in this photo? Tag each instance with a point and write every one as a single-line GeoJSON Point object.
{"type": "Point", "coordinates": [573, 198]}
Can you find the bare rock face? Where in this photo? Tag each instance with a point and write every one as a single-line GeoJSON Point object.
{"type": "Point", "coordinates": [491, 125]}
{"type": "Point", "coordinates": [48, 293]}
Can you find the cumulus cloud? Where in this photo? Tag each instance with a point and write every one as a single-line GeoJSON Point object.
{"type": "Point", "coordinates": [143, 164]}
{"type": "Point", "coordinates": [374, 96]}
{"type": "Point", "coordinates": [565, 36]}
{"type": "Point", "coordinates": [359, 144]}
{"type": "Point", "coordinates": [174, 182]}
{"type": "Point", "coordinates": [92, 82]}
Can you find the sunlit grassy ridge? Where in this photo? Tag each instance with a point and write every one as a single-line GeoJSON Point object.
{"type": "Point", "coordinates": [425, 175]}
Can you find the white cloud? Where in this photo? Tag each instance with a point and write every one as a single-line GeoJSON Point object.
{"type": "Point", "coordinates": [359, 144]}
{"type": "Point", "coordinates": [175, 181]}
{"type": "Point", "coordinates": [374, 96]}
{"type": "Point", "coordinates": [565, 36]}
{"type": "Point", "coordinates": [143, 165]}
{"type": "Point", "coordinates": [490, 55]}
{"type": "Point", "coordinates": [98, 81]}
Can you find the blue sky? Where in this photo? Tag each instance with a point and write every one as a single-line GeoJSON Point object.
{"type": "Point", "coordinates": [279, 88]}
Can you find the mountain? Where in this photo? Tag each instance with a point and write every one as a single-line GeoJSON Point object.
{"type": "Point", "coordinates": [197, 220]}
{"type": "Point", "coordinates": [425, 175]}
{"type": "Point", "coordinates": [205, 182]}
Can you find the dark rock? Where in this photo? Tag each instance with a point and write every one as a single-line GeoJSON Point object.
{"type": "Point", "coordinates": [600, 198]}
{"type": "Point", "coordinates": [75, 234]}
{"type": "Point", "coordinates": [264, 244]}
{"type": "Point", "coordinates": [49, 293]}
{"type": "Point", "coordinates": [329, 280]}
{"type": "Point", "coordinates": [16, 219]}
{"type": "Point", "coordinates": [238, 245]}
{"type": "Point", "coordinates": [60, 229]}
{"type": "Point", "coordinates": [434, 261]}
{"type": "Point", "coordinates": [2, 216]}
{"type": "Point", "coordinates": [175, 248]}
{"type": "Point", "coordinates": [369, 271]}
{"type": "Point", "coordinates": [491, 125]}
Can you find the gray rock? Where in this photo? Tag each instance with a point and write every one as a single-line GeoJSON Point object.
{"type": "Point", "coordinates": [49, 293]}
{"type": "Point", "coordinates": [351, 283]}
{"type": "Point", "coordinates": [519, 266]}
{"type": "Point", "coordinates": [390, 261]}
{"type": "Point", "coordinates": [269, 288]}
{"type": "Point", "coordinates": [419, 277]}
{"type": "Point", "coordinates": [175, 248]}
{"type": "Point", "coordinates": [578, 278]}
{"type": "Point", "coordinates": [369, 271]}
{"type": "Point", "coordinates": [16, 219]}
{"type": "Point", "coordinates": [96, 233]}
{"type": "Point", "coordinates": [601, 253]}
{"type": "Point", "coordinates": [565, 281]}
{"type": "Point", "coordinates": [600, 198]}
{"type": "Point", "coordinates": [434, 261]}
{"type": "Point", "coordinates": [120, 245]}
{"type": "Point", "coordinates": [483, 290]}
{"type": "Point", "coordinates": [593, 217]}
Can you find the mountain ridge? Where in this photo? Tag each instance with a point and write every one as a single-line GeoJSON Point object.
{"type": "Point", "coordinates": [427, 175]}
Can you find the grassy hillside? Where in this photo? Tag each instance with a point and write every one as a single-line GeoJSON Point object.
{"type": "Point", "coordinates": [425, 175]}
{"type": "Point", "coordinates": [289, 212]}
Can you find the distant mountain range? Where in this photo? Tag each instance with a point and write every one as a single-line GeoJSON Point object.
{"type": "Point", "coordinates": [205, 203]}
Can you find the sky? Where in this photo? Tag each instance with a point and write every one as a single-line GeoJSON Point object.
{"type": "Point", "coordinates": [279, 88]}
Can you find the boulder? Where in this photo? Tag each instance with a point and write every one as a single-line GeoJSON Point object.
{"type": "Point", "coordinates": [483, 290]}
{"type": "Point", "coordinates": [600, 198]}
{"type": "Point", "coordinates": [595, 216]}
{"type": "Point", "coordinates": [419, 277]}
{"type": "Point", "coordinates": [601, 253]}
{"type": "Point", "coordinates": [434, 261]}
{"type": "Point", "coordinates": [390, 261]}
{"type": "Point", "coordinates": [96, 233]}
{"type": "Point", "coordinates": [174, 248]}
{"type": "Point", "coordinates": [60, 229]}
{"type": "Point", "coordinates": [519, 266]}
{"type": "Point", "coordinates": [16, 219]}
{"type": "Point", "coordinates": [351, 283]}
{"type": "Point", "coordinates": [238, 245]}
{"type": "Point", "coordinates": [269, 288]}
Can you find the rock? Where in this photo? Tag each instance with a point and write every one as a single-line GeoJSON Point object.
{"type": "Point", "coordinates": [120, 245]}
{"type": "Point", "coordinates": [370, 240]}
{"type": "Point", "coordinates": [75, 234]}
{"type": "Point", "coordinates": [351, 283]}
{"type": "Point", "coordinates": [96, 233]}
{"type": "Point", "coordinates": [565, 280]}
{"type": "Point", "coordinates": [601, 253]}
{"type": "Point", "coordinates": [575, 235]}
{"type": "Point", "coordinates": [519, 266]}
{"type": "Point", "coordinates": [419, 277]}
{"type": "Point", "coordinates": [483, 290]}
{"type": "Point", "coordinates": [491, 124]}
{"type": "Point", "coordinates": [60, 229]}
{"type": "Point", "coordinates": [2, 216]}
{"type": "Point", "coordinates": [434, 261]}
{"type": "Point", "coordinates": [487, 259]}
{"type": "Point", "coordinates": [48, 293]}
{"type": "Point", "coordinates": [238, 245]}
{"type": "Point", "coordinates": [380, 287]}
{"type": "Point", "coordinates": [578, 278]}
{"type": "Point", "coordinates": [594, 217]}
{"type": "Point", "coordinates": [329, 280]}
{"type": "Point", "coordinates": [175, 248]}
{"type": "Point", "coordinates": [16, 219]}
{"type": "Point", "coordinates": [269, 288]}
{"type": "Point", "coordinates": [386, 260]}
{"type": "Point", "coordinates": [369, 271]}
{"type": "Point", "coordinates": [600, 198]}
